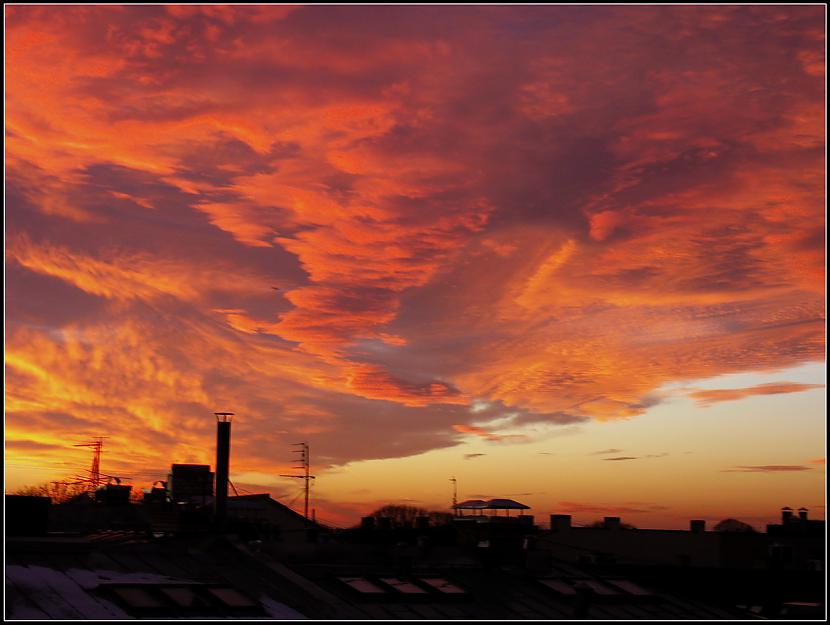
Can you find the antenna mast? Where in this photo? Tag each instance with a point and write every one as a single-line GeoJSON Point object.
{"type": "Point", "coordinates": [305, 466]}
{"type": "Point", "coordinates": [97, 445]}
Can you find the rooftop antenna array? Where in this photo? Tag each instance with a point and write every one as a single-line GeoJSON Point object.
{"type": "Point", "coordinates": [305, 467]}
{"type": "Point", "coordinates": [97, 444]}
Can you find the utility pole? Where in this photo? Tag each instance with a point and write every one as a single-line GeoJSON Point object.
{"type": "Point", "coordinates": [305, 466]}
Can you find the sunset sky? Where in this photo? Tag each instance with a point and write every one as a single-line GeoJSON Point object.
{"type": "Point", "coordinates": [570, 255]}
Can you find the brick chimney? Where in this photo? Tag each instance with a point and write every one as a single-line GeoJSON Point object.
{"type": "Point", "coordinates": [802, 513]}
{"type": "Point", "coordinates": [560, 522]}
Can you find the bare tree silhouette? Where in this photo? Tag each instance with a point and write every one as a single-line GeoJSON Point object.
{"type": "Point", "coordinates": [733, 525]}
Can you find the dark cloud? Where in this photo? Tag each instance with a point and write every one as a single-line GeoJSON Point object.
{"type": "Point", "coordinates": [768, 468]}
{"type": "Point", "coordinates": [29, 445]}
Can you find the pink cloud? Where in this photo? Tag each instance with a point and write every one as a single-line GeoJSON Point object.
{"type": "Point", "coordinates": [706, 397]}
{"type": "Point", "coordinates": [486, 434]}
{"type": "Point", "coordinates": [555, 211]}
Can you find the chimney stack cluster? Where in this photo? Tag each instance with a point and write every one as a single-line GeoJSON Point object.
{"type": "Point", "coordinates": [787, 515]}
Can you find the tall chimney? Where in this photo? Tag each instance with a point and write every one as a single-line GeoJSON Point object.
{"type": "Point", "coordinates": [223, 462]}
{"type": "Point", "coordinates": [786, 515]}
{"type": "Point", "coordinates": [802, 513]}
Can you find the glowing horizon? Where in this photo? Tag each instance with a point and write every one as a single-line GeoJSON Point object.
{"type": "Point", "coordinates": [561, 251]}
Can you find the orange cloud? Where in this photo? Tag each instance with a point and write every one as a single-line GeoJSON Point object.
{"type": "Point", "coordinates": [635, 507]}
{"type": "Point", "coordinates": [713, 396]}
{"type": "Point", "coordinates": [486, 434]}
{"type": "Point", "coordinates": [124, 275]}
{"type": "Point", "coordinates": [447, 220]}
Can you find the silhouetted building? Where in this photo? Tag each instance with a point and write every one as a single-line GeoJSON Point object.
{"type": "Point", "coordinates": [190, 483]}
{"type": "Point", "coordinates": [797, 542]}
{"type": "Point", "coordinates": [113, 494]}
{"type": "Point", "coordinates": [358, 578]}
{"type": "Point", "coordinates": [611, 542]}
{"type": "Point", "coordinates": [26, 516]}
{"type": "Point", "coordinates": [158, 493]}
{"type": "Point", "coordinates": [493, 568]}
{"type": "Point", "coordinates": [480, 507]}
{"type": "Point", "coordinates": [270, 518]}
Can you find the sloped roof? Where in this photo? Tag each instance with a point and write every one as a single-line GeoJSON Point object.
{"type": "Point", "coordinates": [471, 504]}
{"type": "Point", "coordinates": [263, 500]}
{"type": "Point", "coordinates": [436, 591]}
{"type": "Point", "coordinates": [491, 504]}
{"type": "Point", "coordinates": [83, 578]}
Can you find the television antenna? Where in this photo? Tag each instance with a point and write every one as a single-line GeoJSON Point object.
{"type": "Point", "coordinates": [305, 467]}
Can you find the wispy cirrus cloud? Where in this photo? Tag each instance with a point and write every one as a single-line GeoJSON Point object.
{"type": "Point", "coordinates": [634, 507]}
{"type": "Point", "coordinates": [604, 452]}
{"type": "Point", "coordinates": [617, 458]}
{"type": "Point", "coordinates": [487, 434]}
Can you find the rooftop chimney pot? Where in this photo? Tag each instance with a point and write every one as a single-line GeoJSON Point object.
{"type": "Point", "coordinates": [698, 526]}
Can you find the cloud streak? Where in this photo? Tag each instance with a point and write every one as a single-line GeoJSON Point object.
{"type": "Point", "coordinates": [708, 397]}
{"type": "Point", "coordinates": [769, 468]}
{"type": "Point", "coordinates": [635, 507]}
{"type": "Point", "coordinates": [488, 435]}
